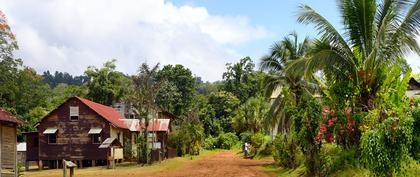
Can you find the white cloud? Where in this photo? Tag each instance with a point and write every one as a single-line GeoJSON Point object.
{"type": "Point", "coordinates": [414, 59]}
{"type": "Point", "coordinates": [69, 35]}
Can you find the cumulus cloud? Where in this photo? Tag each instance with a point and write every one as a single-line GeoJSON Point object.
{"type": "Point", "coordinates": [69, 35]}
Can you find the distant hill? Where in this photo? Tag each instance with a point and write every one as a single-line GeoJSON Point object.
{"type": "Point", "coordinates": [63, 77]}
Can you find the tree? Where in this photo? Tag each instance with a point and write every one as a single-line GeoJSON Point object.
{"type": "Point", "coordinates": [63, 78]}
{"type": "Point", "coordinates": [62, 92]}
{"type": "Point", "coordinates": [143, 94]}
{"type": "Point", "coordinates": [289, 49]}
{"type": "Point", "coordinates": [206, 115]}
{"type": "Point", "coordinates": [241, 79]}
{"type": "Point", "coordinates": [250, 116]}
{"type": "Point", "coordinates": [9, 66]}
{"type": "Point", "coordinates": [177, 95]}
{"type": "Point", "coordinates": [106, 85]}
{"type": "Point", "coordinates": [224, 105]}
{"type": "Point", "coordinates": [376, 37]}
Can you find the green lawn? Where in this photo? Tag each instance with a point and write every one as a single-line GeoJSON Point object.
{"type": "Point", "coordinates": [125, 169]}
{"type": "Point", "coordinates": [411, 170]}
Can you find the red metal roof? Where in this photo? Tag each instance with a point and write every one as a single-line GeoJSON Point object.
{"type": "Point", "coordinates": [9, 117]}
{"type": "Point", "coordinates": [106, 112]}
{"type": "Point", "coordinates": [159, 125]}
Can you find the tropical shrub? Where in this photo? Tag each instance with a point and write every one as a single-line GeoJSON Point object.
{"type": "Point", "coordinates": [210, 143]}
{"type": "Point", "coordinates": [285, 150]}
{"type": "Point", "coordinates": [246, 137]}
{"type": "Point", "coordinates": [385, 148]}
{"type": "Point", "coordinates": [227, 140]}
{"type": "Point", "coordinates": [415, 148]}
{"type": "Point", "coordinates": [306, 123]}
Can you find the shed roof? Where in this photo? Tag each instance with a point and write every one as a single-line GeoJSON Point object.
{"type": "Point", "coordinates": [110, 142]}
{"type": "Point", "coordinates": [106, 112]}
{"type": "Point", "coordinates": [9, 117]}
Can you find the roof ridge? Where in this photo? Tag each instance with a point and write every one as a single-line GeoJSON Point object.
{"type": "Point", "coordinates": [107, 112]}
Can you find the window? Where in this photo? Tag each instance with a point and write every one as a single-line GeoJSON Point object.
{"type": "Point", "coordinates": [74, 112]}
{"type": "Point", "coordinates": [52, 138]}
{"type": "Point", "coordinates": [36, 141]}
{"type": "Point", "coordinates": [96, 138]}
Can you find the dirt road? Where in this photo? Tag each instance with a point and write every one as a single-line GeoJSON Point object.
{"type": "Point", "coordinates": [224, 164]}
{"type": "Point", "coordinates": [217, 164]}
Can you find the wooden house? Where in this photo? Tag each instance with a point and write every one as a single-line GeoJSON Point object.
{"type": "Point", "coordinates": [8, 157]}
{"type": "Point", "coordinates": [74, 131]}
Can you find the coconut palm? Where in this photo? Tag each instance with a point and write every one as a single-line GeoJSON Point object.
{"type": "Point", "coordinates": [375, 37]}
{"type": "Point", "coordinates": [289, 49]}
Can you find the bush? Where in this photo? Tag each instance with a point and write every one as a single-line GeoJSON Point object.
{"type": "Point", "coordinates": [245, 137]}
{"type": "Point", "coordinates": [257, 140]}
{"type": "Point", "coordinates": [415, 148]}
{"type": "Point", "coordinates": [285, 151]}
{"type": "Point", "coordinates": [334, 158]}
{"type": "Point", "coordinates": [384, 149]}
{"type": "Point", "coordinates": [226, 140]}
{"type": "Point", "coordinates": [210, 143]}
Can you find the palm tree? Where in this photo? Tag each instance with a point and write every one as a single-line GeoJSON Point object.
{"type": "Point", "coordinates": [282, 52]}
{"type": "Point", "coordinates": [376, 37]}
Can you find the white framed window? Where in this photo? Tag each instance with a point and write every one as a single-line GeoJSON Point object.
{"type": "Point", "coordinates": [74, 112]}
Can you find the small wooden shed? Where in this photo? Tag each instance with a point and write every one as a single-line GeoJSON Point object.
{"type": "Point", "coordinates": [111, 144]}
{"type": "Point", "coordinates": [8, 159]}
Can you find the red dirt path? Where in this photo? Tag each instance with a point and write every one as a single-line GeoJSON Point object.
{"type": "Point", "coordinates": [224, 164]}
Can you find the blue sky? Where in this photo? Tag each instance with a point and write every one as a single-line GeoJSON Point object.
{"type": "Point", "coordinates": [278, 16]}
{"type": "Point", "coordinates": [202, 35]}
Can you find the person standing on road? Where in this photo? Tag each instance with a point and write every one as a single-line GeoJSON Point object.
{"type": "Point", "coordinates": [246, 150]}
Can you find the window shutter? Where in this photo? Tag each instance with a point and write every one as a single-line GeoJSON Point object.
{"type": "Point", "coordinates": [74, 111]}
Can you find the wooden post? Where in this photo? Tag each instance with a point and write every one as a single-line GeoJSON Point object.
{"type": "Point", "coordinates": [64, 168]}
{"type": "Point", "coordinates": [40, 165]}
{"type": "Point", "coordinates": [113, 158]}
{"type": "Point", "coordinates": [72, 172]}
{"type": "Point", "coordinates": [26, 165]}
{"type": "Point", "coordinates": [93, 163]}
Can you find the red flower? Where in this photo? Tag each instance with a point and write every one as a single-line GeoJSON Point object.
{"type": "Point", "coordinates": [318, 138]}
{"type": "Point", "coordinates": [323, 128]}
{"type": "Point", "coordinates": [330, 138]}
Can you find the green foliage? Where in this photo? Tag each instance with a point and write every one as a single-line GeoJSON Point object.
{"type": "Point", "coordinates": [306, 123]}
{"type": "Point", "coordinates": [206, 115]}
{"type": "Point", "coordinates": [57, 78]}
{"type": "Point", "coordinates": [177, 94]}
{"type": "Point", "coordinates": [142, 95]}
{"type": "Point", "coordinates": [210, 143]}
{"type": "Point", "coordinates": [106, 85]}
{"type": "Point", "coordinates": [226, 140]}
{"type": "Point", "coordinates": [246, 137]}
{"type": "Point", "coordinates": [224, 105]}
{"type": "Point", "coordinates": [241, 79]}
{"type": "Point", "coordinates": [385, 148]}
{"type": "Point", "coordinates": [415, 148]}
{"type": "Point", "coordinates": [250, 116]}
{"type": "Point", "coordinates": [285, 151]}
{"type": "Point", "coordinates": [189, 136]}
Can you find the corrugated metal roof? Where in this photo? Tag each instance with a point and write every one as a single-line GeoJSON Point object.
{"type": "Point", "coordinates": [9, 117]}
{"type": "Point", "coordinates": [95, 131]}
{"type": "Point", "coordinates": [50, 131]}
{"type": "Point", "coordinates": [158, 125]}
{"type": "Point", "coordinates": [132, 124]}
{"type": "Point", "coordinates": [106, 112]}
{"type": "Point", "coordinates": [110, 142]}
